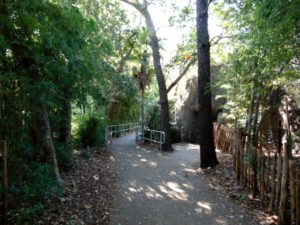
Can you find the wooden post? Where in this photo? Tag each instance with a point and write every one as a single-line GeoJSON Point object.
{"type": "Point", "coordinates": [279, 137]}
{"type": "Point", "coordinates": [4, 180]}
{"type": "Point", "coordinates": [268, 169]}
{"type": "Point", "coordinates": [282, 211]}
{"type": "Point", "coordinates": [219, 130]}
{"type": "Point", "coordinates": [273, 190]}
{"type": "Point", "coordinates": [262, 179]}
{"type": "Point", "coordinates": [279, 175]}
{"type": "Point", "coordinates": [241, 159]}
{"type": "Point", "coordinates": [293, 191]}
{"type": "Point", "coordinates": [238, 154]}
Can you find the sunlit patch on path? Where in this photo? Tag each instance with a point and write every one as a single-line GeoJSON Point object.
{"type": "Point", "coordinates": [164, 189]}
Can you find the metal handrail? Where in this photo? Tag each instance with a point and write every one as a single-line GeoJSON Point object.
{"type": "Point", "coordinates": [162, 137]}
{"type": "Point", "coordinates": [124, 128]}
{"type": "Point", "coordinates": [118, 128]}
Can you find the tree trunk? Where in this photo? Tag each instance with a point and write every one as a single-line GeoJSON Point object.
{"type": "Point", "coordinates": [42, 132]}
{"type": "Point", "coordinates": [181, 75]}
{"type": "Point", "coordinates": [207, 147]}
{"type": "Point", "coordinates": [163, 95]}
{"type": "Point", "coordinates": [65, 123]}
{"type": "Point", "coordinates": [142, 110]}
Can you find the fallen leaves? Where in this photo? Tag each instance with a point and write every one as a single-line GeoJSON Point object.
{"type": "Point", "coordinates": [87, 195]}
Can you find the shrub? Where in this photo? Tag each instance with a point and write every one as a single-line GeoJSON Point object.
{"type": "Point", "coordinates": [92, 131]}
{"type": "Point", "coordinates": [153, 118]}
{"type": "Point", "coordinates": [28, 196]}
{"type": "Point", "coordinates": [153, 122]}
{"type": "Point", "coordinates": [65, 158]}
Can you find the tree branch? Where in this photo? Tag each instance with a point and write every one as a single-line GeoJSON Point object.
{"type": "Point", "coordinates": [181, 75]}
{"type": "Point", "coordinates": [125, 57]}
{"type": "Point", "coordinates": [208, 3]}
{"type": "Point", "coordinates": [216, 39]}
{"type": "Point", "coordinates": [133, 3]}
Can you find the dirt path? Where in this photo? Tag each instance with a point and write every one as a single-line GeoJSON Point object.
{"type": "Point", "coordinates": [164, 189]}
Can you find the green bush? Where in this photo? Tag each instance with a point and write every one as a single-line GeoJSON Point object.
{"type": "Point", "coordinates": [65, 158]}
{"type": "Point", "coordinates": [92, 131]}
{"type": "Point", "coordinates": [28, 196]}
{"type": "Point", "coordinates": [153, 117]}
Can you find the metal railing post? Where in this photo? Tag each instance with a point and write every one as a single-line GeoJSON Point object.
{"type": "Point", "coordinates": [126, 128]}
{"type": "Point", "coordinates": [160, 139]}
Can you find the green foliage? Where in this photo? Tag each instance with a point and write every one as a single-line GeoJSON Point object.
{"type": "Point", "coordinates": [30, 193]}
{"type": "Point", "coordinates": [263, 51]}
{"type": "Point", "coordinates": [65, 157]}
{"type": "Point", "coordinates": [153, 122]}
{"type": "Point", "coordinates": [91, 131]}
{"type": "Point", "coordinates": [124, 105]}
{"type": "Point", "coordinates": [50, 52]}
{"type": "Point", "coordinates": [26, 215]}
{"type": "Point", "coordinates": [153, 117]}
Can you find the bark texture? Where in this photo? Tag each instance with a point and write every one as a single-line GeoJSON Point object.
{"type": "Point", "coordinates": [207, 147]}
{"type": "Point", "coordinates": [43, 136]}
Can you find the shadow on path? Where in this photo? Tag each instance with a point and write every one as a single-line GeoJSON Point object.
{"type": "Point", "coordinates": [163, 189]}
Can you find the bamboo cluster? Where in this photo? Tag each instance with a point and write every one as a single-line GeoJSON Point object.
{"type": "Point", "coordinates": [270, 175]}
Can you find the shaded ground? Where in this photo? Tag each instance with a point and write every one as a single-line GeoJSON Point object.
{"type": "Point", "coordinates": [165, 189]}
{"type": "Point", "coordinates": [88, 194]}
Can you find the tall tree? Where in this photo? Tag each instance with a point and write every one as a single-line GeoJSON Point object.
{"type": "Point", "coordinates": [207, 147]}
{"type": "Point", "coordinates": [143, 77]}
{"type": "Point", "coordinates": [163, 95]}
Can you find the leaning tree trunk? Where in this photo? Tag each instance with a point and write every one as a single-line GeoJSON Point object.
{"type": "Point", "coordinates": [207, 147]}
{"type": "Point", "coordinates": [42, 132]}
{"type": "Point", "coordinates": [163, 95]}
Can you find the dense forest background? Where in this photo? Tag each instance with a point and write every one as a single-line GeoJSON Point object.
{"type": "Point", "coordinates": [68, 68]}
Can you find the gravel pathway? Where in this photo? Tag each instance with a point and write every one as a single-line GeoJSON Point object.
{"type": "Point", "coordinates": [164, 189]}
